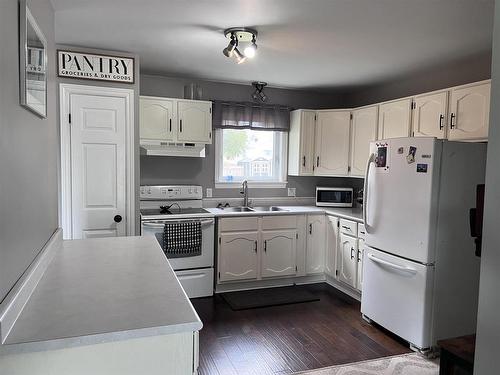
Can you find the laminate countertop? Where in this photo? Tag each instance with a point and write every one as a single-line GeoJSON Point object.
{"type": "Point", "coordinates": [101, 290]}
{"type": "Point", "coordinates": [355, 214]}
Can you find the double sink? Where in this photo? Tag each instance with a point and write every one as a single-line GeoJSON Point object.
{"type": "Point", "coordinates": [253, 209]}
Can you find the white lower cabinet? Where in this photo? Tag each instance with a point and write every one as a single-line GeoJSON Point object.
{"type": "Point", "coordinates": [332, 240]}
{"type": "Point", "coordinates": [347, 260]}
{"type": "Point", "coordinates": [238, 256]}
{"type": "Point", "coordinates": [279, 253]}
{"type": "Point", "coordinates": [315, 248]}
{"type": "Point", "coordinates": [361, 249]}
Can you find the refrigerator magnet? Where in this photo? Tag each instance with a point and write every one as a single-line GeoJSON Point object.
{"type": "Point", "coordinates": [410, 158]}
{"type": "Point", "coordinates": [422, 168]}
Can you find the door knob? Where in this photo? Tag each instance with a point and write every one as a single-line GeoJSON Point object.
{"type": "Point", "coordinates": [117, 218]}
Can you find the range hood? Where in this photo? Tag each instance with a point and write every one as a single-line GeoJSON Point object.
{"type": "Point", "coordinates": [192, 150]}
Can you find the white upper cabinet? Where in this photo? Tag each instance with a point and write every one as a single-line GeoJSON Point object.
{"type": "Point", "coordinates": [347, 260]}
{"type": "Point", "coordinates": [279, 253]}
{"type": "Point", "coordinates": [332, 239]}
{"type": "Point", "coordinates": [364, 131]}
{"type": "Point", "coordinates": [301, 143]}
{"type": "Point", "coordinates": [174, 120]}
{"type": "Point", "coordinates": [469, 112]}
{"type": "Point", "coordinates": [332, 143]}
{"type": "Point", "coordinates": [429, 115]}
{"type": "Point", "coordinates": [195, 121]}
{"type": "Point", "coordinates": [156, 116]}
{"type": "Point", "coordinates": [315, 248]}
{"type": "Point", "coordinates": [394, 119]}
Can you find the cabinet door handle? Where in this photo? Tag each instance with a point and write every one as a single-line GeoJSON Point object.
{"type": "Point", "coordinates": [303, 161]}
{"type": "Point", "coordinates": [265, 245]}
{"type": "Point", "coordinates": [352, 253]}
{"type": "Point", "coordinates": [359, 255]}
{"type": "Point", "coordinates": [170, 126]}
{"type": "Point", "coordinates": [255, 246]}
{"type": "Point", "coordinates": [441, 118]}
{"type": "Point", "coordinates": [310, 229]}
{"type": "Point", "coordinates": [317, 161]}
{"type": "Point", "coordinates": [180, 125]}
{"type": "Point", "coordinates": [451, 120]}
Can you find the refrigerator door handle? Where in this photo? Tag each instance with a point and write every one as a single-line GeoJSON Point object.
{"type": "Point", "coordinates": [371, 159]}
{"type": "Point", "coordinates": [392, 265]}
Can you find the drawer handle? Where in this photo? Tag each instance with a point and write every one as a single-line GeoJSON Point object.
{"type": "Point", "coordinates": [392, 265]}
{"type": "Point", "coordinates": [193, 276]}
{"type": "Point", "coordinates": [346, 228]}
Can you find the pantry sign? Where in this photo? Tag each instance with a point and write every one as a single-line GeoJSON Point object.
{"type": "Point", "coordinates": [94, 66]}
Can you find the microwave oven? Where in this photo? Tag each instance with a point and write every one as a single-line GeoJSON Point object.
{"type": "Point", "coordinates": [334, 197]}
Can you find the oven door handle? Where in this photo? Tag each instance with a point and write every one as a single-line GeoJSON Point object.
{"type": "Point", "coordinates": [162, 224]}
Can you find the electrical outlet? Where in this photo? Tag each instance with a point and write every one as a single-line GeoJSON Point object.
{"type": "Point", "coordinates": [291, 192]}
{"type": "Point", "coordinates": [209, 193]}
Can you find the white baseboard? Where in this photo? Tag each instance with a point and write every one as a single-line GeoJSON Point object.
{"type": "Point", "coordinates": [351, 292]}
{"type": "Point", "coordinates": [261, 284]}
{"type": "Point", "coordinates": [13, 304]}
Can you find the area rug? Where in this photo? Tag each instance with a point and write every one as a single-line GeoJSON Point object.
{"type": "Point", "coordinates": [406, 364]}
{"type": "Point", "coordinates": [252, 299]}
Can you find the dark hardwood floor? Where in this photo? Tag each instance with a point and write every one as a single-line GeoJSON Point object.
{"type": "Point", "coordinates": [290, 338]}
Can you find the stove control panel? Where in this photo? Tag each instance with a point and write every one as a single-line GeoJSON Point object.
{"type": "Point", "coordinates": [171, 192]}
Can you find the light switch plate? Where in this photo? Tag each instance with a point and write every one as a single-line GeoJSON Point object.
{"type": "Point", "coordinates": [209, 193]}
{"type": "Point", "coordinates": [291, 192]}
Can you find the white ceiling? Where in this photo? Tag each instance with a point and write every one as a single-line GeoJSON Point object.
{"type": "Point", "coordinates": [301, 43]}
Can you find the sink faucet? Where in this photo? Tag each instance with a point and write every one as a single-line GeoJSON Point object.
{"type": "Point", "coordinates": [244, 191]}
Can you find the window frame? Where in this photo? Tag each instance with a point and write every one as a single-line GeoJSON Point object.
{"type": "Point", "coordinates": [280, 162]}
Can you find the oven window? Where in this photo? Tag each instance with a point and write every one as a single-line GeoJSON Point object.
{"type": "Point", "coordinates": [330, 196]}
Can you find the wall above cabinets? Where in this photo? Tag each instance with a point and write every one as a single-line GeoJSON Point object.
{"type": "Point", "coordinates": [336, 142]}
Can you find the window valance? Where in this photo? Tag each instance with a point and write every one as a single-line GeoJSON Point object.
{"type": "Point", "coordinates": [246, 115]}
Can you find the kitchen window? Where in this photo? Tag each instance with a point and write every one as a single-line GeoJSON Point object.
{"type": "Point", "coordinates": [254, 155]}
{"type": "Point", "coordinates": [250, 144]}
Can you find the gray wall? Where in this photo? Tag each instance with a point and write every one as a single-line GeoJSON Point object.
{"type": "Point", "coordinates": [201, 171]}
{"type": "Point", "coordinates": [488, 326]}
{"type": "Point", "coordinates": [134, 86]}
{"type": "Point", "coordinates": [28, 152]}
{"type": "Point", "coordinates": [471, 69]}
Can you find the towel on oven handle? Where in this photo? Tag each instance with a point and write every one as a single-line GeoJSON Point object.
{"type": "Point", "coordinates": [182, 239]}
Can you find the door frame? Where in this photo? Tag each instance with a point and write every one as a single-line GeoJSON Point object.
{"type": "Point", "coordinates": [65, 91]}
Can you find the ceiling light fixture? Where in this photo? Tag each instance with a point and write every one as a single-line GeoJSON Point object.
{"type": "Point", "coordinates": [240, 37]}
{"type": "Point", "coordinates": [258, 94]}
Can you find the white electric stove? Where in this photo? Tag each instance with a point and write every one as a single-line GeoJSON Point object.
{"type": "Point", "coordinates": [179, 203]}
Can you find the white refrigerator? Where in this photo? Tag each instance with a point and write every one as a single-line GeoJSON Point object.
{"type": "Point", "coordinates": [420, 273]}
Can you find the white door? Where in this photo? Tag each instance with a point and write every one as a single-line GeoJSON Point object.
{"type": "Point", "coordinates": [332, 143]}
{"type": "Point", "coordinates": [470, 112]}
{"type": "Point", "coordinates": [364, 131]}
{"type": "Point", "coordinates": [394, 119]}
{"type": "Point", "coordinates": [429, 115]}
{"type": "Point", "coordinates": [279, 253]}
{"type": "Point", "coordinates": [156, 119]}
{"type": "Point", "coordinates": [315, 248]}
{"type": "Point", "coordinates": [397, 294]}
{"type": "Point", "coordinates": [347, 263]}
{"type": "Point", "coordinates": [332, 239]}
{"type": "Point", "coordinates": [238, 256]}
{"type": "Point", "coordinates": [98, 132]}
{"type": "Point", "coordinates": [361, 248]}
{"type": "Point", "coordinates": [195, 121]}
{"type": "Point", "coordinates": [307, 127]}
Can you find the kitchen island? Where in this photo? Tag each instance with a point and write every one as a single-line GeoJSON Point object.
{"type": "Point", "coordinates": [105, 306]}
